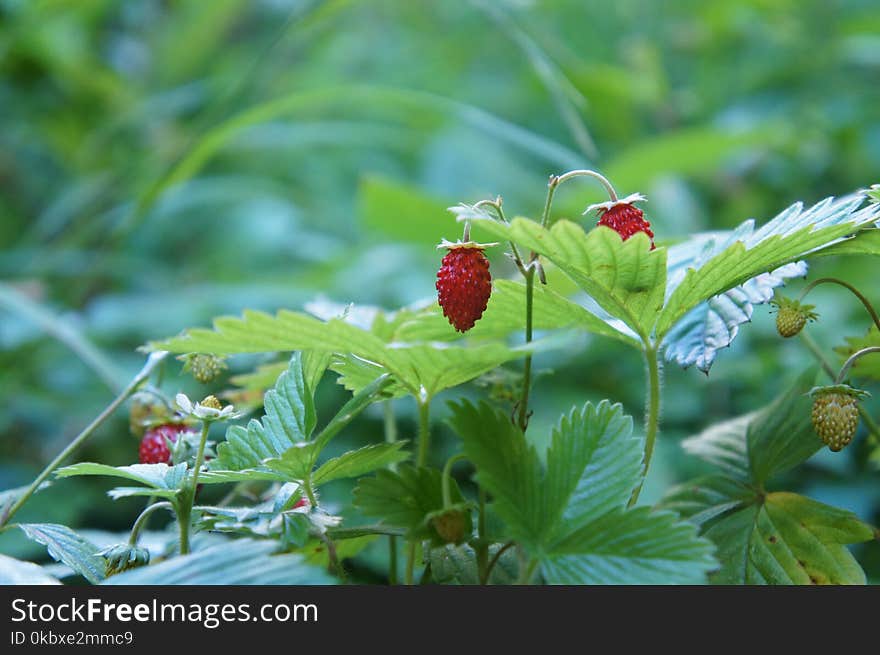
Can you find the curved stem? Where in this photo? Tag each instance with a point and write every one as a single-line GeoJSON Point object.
{"type": "Point", "coordinates": [844, 370]}
{"type": "Point", "coordinates": [446, 479]}
{"type": "Point", "coordinates": [184, 512]}
{"type": "Point", "coordinates": [523, 415]}
{"type": "Point", "coordinates": [496, 205]}
{"type": "Point", "coordinates": [495, 559]}
{"type": "Point", "coordinates": [527, 572]}
{"type": "Point", "coordinates": [652, 414]}
{"type": "Point", "coordinates": [152, 362]}
{"type": "Point", "coordinates": [141, 520]}
{"type": "Point", "coordinates": [556, 180]}
{"type": "Point", "coordinates": [813, 347]}
{"type": "Point", "coordinates": [845, 285]}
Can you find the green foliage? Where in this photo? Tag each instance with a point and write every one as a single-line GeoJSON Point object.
{"type": "Point", "coordinates": [241, 562]}
{"type": "Point", "coordinates": [17, 572]}
{"type": "Point", "coordinates": [65, 545]}
{"type": "Point", "coordinates": [458, 565]}
{"type": "Point", "coordinates": [570, 513]}
{"type": "Point", "coordinates": [867, 367]}
{"type": "Point", "coordinates": [768, 538]}
{"type": "Point", "coordinates": [160, 480]}
{"type": "Point", "coordinates": [404, 498]}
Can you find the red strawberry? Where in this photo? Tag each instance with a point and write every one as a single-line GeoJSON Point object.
{"type": "Point", "coordinates": [154, 449]}
{"type": "Point", "coordinates": [464, 284]}
{"type": "Point", "coordinates": [624, 218]}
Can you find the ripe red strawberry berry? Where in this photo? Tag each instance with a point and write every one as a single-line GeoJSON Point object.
{"type": "Point", "coordinates": [835, 414]}
{"type": "Point", "coordinates": [154, 448]}
{"type": "Point", "coordinates": [464, 284]}
{"type": "Point", "coordinates": [623, 217]}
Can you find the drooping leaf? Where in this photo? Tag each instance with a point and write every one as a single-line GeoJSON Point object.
{"type": "Point", "coordinates": [65, 545]}
{"type": "Point", "coordinates": [160, 477]}
{"type": "Point", "coordinates": [16, 572]}
{"type": "Point", "coordinates": [404, 498]}
{"type": "Point", "coordinates": [734, 258]}
{"type": "Point", "coordinates": [714, 324]}
{"type": "Point", "coordinates": [241, 562]}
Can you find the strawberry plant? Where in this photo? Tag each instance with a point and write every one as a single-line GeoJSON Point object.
{"type": "Point", "coordinates": [560, 507]}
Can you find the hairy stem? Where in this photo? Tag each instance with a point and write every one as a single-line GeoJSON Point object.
{"type": "Point", "coordinates": [390, 425]}
{"type": "Point", "coordinates": [184, 512]}
{"type": "Point", "coordinates": [556, 180]}
{"type": "Point", "coordinates": [523, 415]}
{"type": "Point", "coordinates": [652, 414]}
{"type": "Point", "coordinates": [482, 547]}
{"type": "Point", "coordinates": [495, 559]}
{"type": "Point", "coordinates": [847, 365]}
{"type": "Point", "coordinates": [848, 286]}
{"type": "Point", "coordinates": [142, 520]}
{"type": "Point", "coordinates": [446, 479]}
{"type": "Point", "coordinates": [152, 362]}
{"type": "Point", "coordinates": [424, 404]}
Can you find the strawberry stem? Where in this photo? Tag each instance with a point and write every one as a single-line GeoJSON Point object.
{"type": "Point", "coordinates": [845, 285]}
{"type": "Point", "coordinates": [141, 520]}
{"type": "Point", "coordinates": [844, 370]}
{"type": "Point", "coordinates": [556, 180]}
{"type": "Point", "coordinates": [152, 362]}
{"type": "Point", "coordinates": [523, 406]}
{"type": "Point", "coordinates": [652, 415]}
{"type": "Point", "coordinates": [390, 426]}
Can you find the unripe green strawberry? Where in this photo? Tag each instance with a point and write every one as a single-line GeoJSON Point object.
{"type": "Point", "coordinates": [452, 524]}
{"type": "Point", "coordinates": [204, 367]}
{"type": "Point", "coordinates": [792, 316]}
{"type": "Point", "coordinates": [835, 414]}
{"type": "Point", "coordinates": [123, 557]}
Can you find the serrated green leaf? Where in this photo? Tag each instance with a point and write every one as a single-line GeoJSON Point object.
{"type": "Point", "coordinates": [735, 258]}
{"type": "Point", "coordinates": [458, 565]}
{"type": "Point", "coordinates": [289, 420]}
{"type": "Point", "coordinates": [155, 476]}
{"type": "Point", "coordinates": [241, 562]}
{"type": "Point", "coordinates": [571, 515]}
{"type": "Point", "coordinates": [404, 498]}
{"type": "Point", "coordinates": [761, 444]}
{"type": "Point", "coordinates": [356, 373]}
{"type": "Point", "coordinates": [781, 436]}
{"type": "Point", "coordinates": [703, 499]}
{"type": "Point", "coordinates": [421, 368]}
{"type": "Point", "coordinates": [638, 546]}
{"type": "Point", "coordinates": [866, 242]}
{"type": "Point", "coordinates": [788, 539]}
{"type": "Point", "coordinates": [147, 492]}
{"type": "Point", "coordinates": [17, 572]}
{"type": "Point", "coordinates": [867, 367]}
{"type": "Point", "coordinates": [626, 278]}
{"type": "Point", "coordinates": [506, 312]}
{"type": "Point", "coordinates": [359, 462]}
{"type": "Point", "coordinates": [295, 463]}
{"type": "Point", "coordinates": [65, 545]}
{"type": "Point", "coordinates": [593, 464]}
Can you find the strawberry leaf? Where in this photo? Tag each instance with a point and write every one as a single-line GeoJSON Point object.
{"type": "Point", "coordinates": [65, 545]}
{"type": "Point", "coordinates": [570, 514]}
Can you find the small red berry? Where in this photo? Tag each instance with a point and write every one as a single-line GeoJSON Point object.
{"type": "Point", "coordinates": [464, 284]}
{"type": "Point", "coordinates": [154, 449]}
{"type": "Point", "coordinates": [624, 218]}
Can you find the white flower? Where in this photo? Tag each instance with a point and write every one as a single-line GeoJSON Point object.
{"type": "Point", "coordinates": [630, 199]}
{"type": "Point", "coordinates": [206, 412]}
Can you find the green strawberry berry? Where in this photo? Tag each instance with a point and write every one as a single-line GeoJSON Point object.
{"type": "Point", "coordinates": [835, 414]}
{"type": "Point", "coordinates": [792, 316]}
{"type": "Point", "coordinates": [204, 367]}
{"type": "Point", "coordinates": [452, 525]}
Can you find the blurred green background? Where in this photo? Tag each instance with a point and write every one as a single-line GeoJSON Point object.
{"type": "Point", "coordinates": [163, 162]}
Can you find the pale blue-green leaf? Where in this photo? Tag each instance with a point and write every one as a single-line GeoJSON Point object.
{"type": "Point", "coordinates": [65, 545]}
